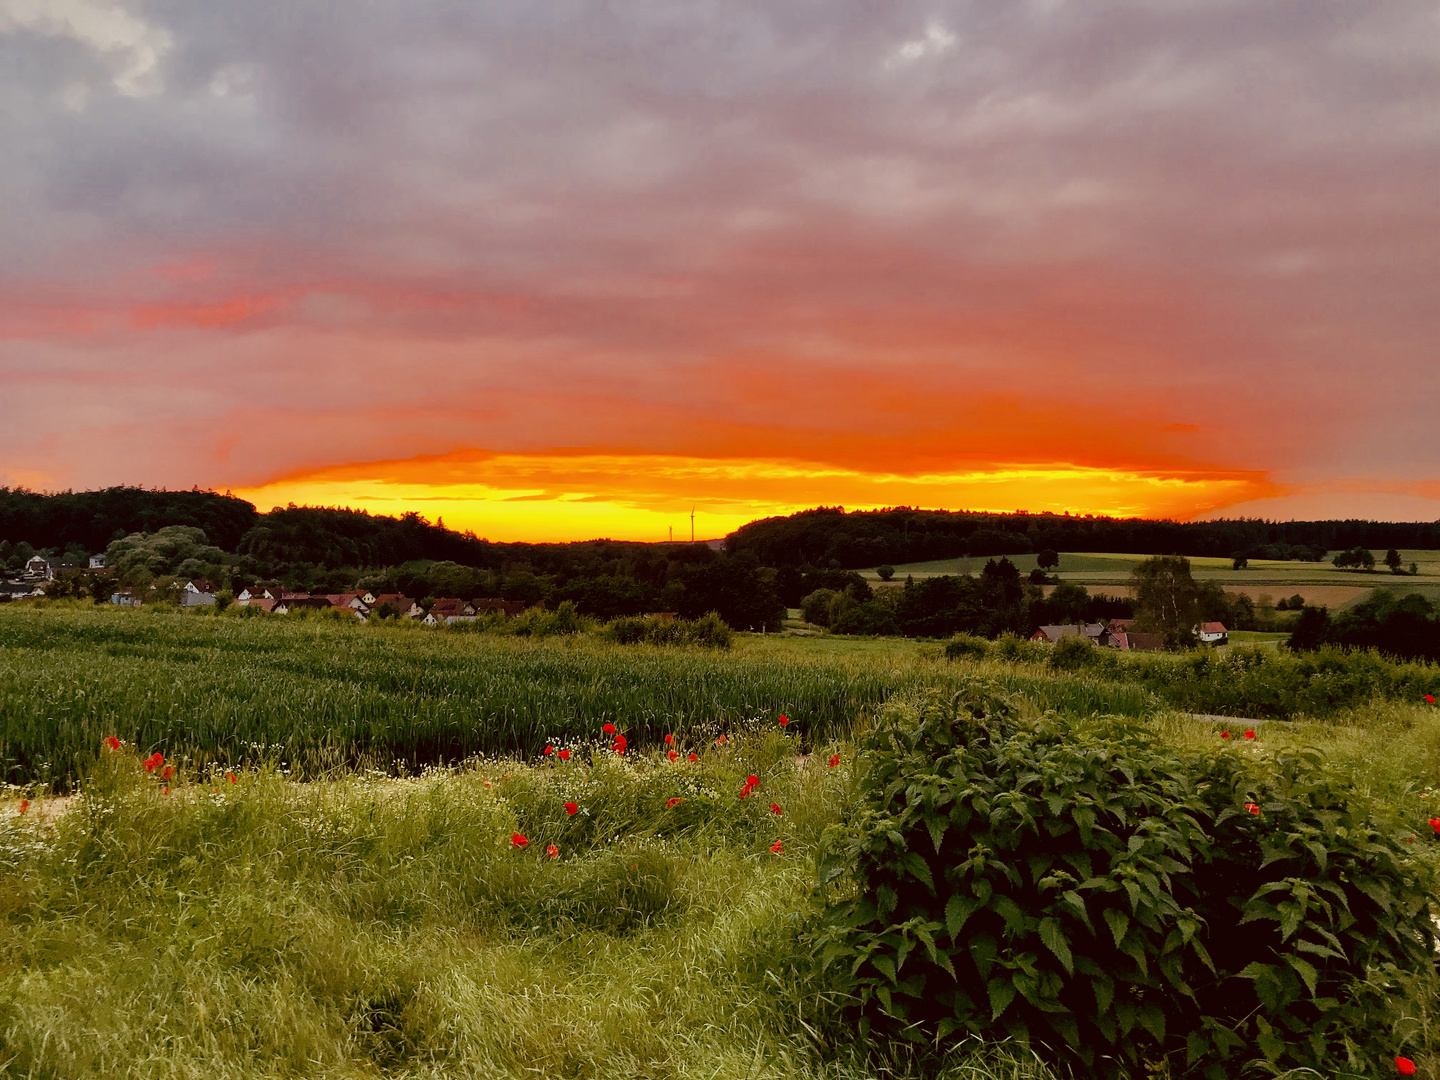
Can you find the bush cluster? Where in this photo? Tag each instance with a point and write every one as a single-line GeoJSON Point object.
{"type": "Point", "coordinates": [1243, 681]}
{"type": "Point", "coordinates": [1119, 905]}
{"type": "Point", "coordinates": [709, 631]}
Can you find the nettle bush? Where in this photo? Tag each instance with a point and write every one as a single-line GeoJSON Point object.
{"type": "Point", "coordinates": [1122, 907]}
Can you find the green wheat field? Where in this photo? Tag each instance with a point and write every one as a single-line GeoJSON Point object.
{"type": "Point", "coordinates": [356, 858]}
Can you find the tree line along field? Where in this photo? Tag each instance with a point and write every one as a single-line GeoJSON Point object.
{"type": "Point", "coordinates": [349, 915]}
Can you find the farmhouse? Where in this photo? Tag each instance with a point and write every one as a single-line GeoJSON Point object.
{"type": "Point", "coordinates": [1212, 633]}
{"type": "Point", "coordinates": [97, 562]}
{"type": "Point", "coordinates": [1139, 641]}
{"type": "Point", "coordinates": [38, 569]}
{"type": "Point", "coordinates": [1095, 633]}
{"type": "Point", "coordinates": [197, 593]}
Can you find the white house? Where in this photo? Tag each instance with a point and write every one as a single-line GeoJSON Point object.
{"type": "Point", "coordinates": [97, 562]}
{"type": "Point", "coordinates": [37, 569]}
{"type": "Point", "coordinates": [1212, 633]}
{"type": "Point", "coordinates": [125, 598]}
{"type": "Point", "coordinates": [197, 593]}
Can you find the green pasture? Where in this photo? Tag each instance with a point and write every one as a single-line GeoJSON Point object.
{"type": "Point", "coordinates": [1110, 572]}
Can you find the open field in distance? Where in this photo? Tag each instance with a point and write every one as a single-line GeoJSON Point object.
{"type": "Point", "coordinates": [1319, 583]}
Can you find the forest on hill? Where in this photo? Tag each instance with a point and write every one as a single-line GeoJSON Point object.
{"type": "Point", "coordinates": [862, 538]}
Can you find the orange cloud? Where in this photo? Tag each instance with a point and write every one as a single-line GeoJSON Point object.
{"type": "Point", "coordinates": [582, 494]}
{"type": "Point", "coordinates": [237, 309]}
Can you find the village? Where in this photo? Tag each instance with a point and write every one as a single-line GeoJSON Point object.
{"type": "Point", "coordinates": [1117, 634]}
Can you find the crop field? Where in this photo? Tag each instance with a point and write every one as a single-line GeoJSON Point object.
{"type": "Point", "coordinates": [302, 888]}
{"type": "Point", "coordinates": [1318, 583]}
{"type": "Point", "coordinates": [314, 694]}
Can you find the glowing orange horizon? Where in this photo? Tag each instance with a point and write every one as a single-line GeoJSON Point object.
{"type": "Point", "coordinates": [584, 495]}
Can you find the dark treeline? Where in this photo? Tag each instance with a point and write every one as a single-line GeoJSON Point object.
{"type": "Point", "coordinates": [901, 535]}
{"type": "Point", "coordinates": [1405, 626]}
{"type": "Point", "coordinates": [89, 520]}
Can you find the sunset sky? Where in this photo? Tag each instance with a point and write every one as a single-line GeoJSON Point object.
{"type": "Point", "coordinates": [564, 270]}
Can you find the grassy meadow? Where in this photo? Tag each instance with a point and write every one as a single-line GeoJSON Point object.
{"type": "Point", "coordinates": [1319, 583]}
{"type": "Point", "coordinates": [353, 903]}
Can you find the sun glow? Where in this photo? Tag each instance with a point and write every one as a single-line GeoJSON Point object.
{"type": "Point", "coordinates": [579, 496]}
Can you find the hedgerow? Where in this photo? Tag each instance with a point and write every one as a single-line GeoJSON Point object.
{"type": "Point", "coordinates": [1119, 905]}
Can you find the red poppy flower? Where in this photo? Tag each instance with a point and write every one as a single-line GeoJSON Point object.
{"type": "Point", "coordinates": [549, 750]}
{"type": "Point", "coordinates": [1404, 1066]}
{"type": "Point", "coordinates": [745, 791]}
{"type": "Point", "coordinates": [552, 851]}
{"type": "Point", "coordinates": [672, 755]}
{"type": "Point", "coordinates": [1430, 699]}
{"type": "Point", "coordinates": [154, 761]}
{"type": "Point", "coordinates": [777, 848]}
{"type": "Point", "coordinates": [608, 729]}
{"type": "Point", "coordinates": [112, 742]}
{"type": "Point", "coordinates": [834, 760]}
{"type": "Point", "coordinates": [1224, 734]}
{"type": "Point", "coordinates": [672, 803]}
{"type": "Point", "coordinates": [1435, 824]}
{"type": "Point", "coordinates": [517, 840]}
{"type": "Point", "coordinates": [564, 755]}
{"type": "Point", "coordinates": [24, 805]}
{"type": "Point", "coordinates": [620, 743]}
{"type": "Point", "coordinates": [721, 741]}
{"type": "Point", "coordinates": [694, 757]}
{"type": "Point", "coordinates": [1254, 808]}
{"type": "Point", "coordinates": [775, 809]}
{"type": "Point", "coordinates": [1249, 734]}
{"type": "Point", "coordinates": [669, 740]}
{"type": "Point", "coordinates": [168, 773]}
{"type": "Point", "coordinates": [572, 808]}
{"type": "Point", "coordinates": [752, 781]}
{"type": "Point", "coordinates": [784, 719]}
{"type": "Point", "coordinates": [231, 777]}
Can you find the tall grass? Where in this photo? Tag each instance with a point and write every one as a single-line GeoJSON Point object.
{"type": "Point", "coordinates": [357, 926]}
{"type": "Point", "coordinates": [312, 693]}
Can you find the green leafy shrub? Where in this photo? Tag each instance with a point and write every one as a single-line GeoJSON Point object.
{"type": "Point", "coordinates": [966, 647]}
{"type": "Point", "coordinates": [1072, 654]}
{"type": "Point", "coordinates": [1119, 905]}
{"type": "Point", "coordinates": [1250, 681]}
{"type": "Point", "coordinates": [709, 631]}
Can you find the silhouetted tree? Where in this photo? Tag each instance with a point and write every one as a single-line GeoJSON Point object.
{"type": "Point", "coordinates": [1311, 631]}
{"type": "Point", "coordinates": [1167, 599]}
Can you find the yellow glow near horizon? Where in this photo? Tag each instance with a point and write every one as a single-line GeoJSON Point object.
{"type": "Point", "coordinates": [537, 497]}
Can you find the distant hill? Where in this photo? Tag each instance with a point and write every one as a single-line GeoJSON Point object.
{"type": "Point", "coordinates": [901, 535]}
